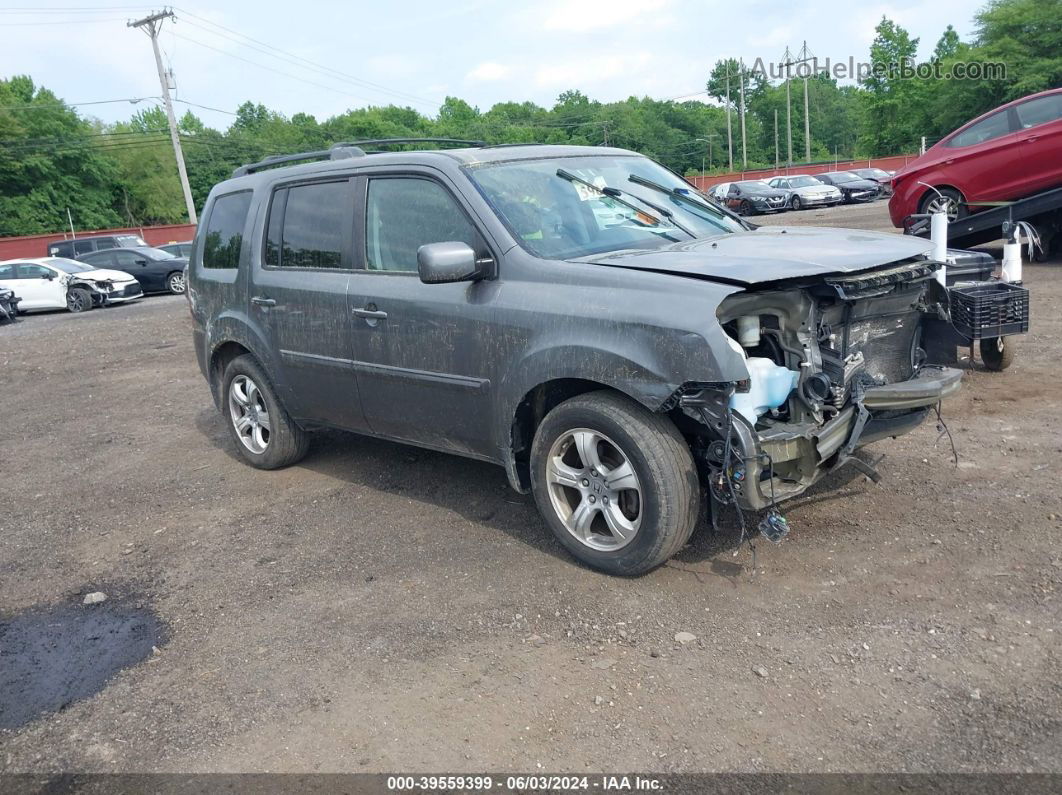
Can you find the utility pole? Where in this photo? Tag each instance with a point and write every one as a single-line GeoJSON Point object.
{"type": "Point", "coordinates": [741, 75]}
{"type": "Point", "coordinates": [776, 139]}
{"type": "Point", "coordinates": [788, 110]}
{"type": "Point", "coordinates": [729, 134]}
{"type": "Point", "coordinates": [151, 26]}
{"type": "Point", "coordinates": [804, 57]}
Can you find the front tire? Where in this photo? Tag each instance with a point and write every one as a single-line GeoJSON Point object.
{"type": "Point", "coordinates": [265, 435]}
{"type": "Point", "coordinates": [795, 204]}
{"type": "Point", "coordinates": [78, 300]}
{"type": "Point", "coordinates": [949, 200]}
{"type": "Point", "coordinates": [616, 483]}
{"type": "Point", "coordinates": [745, 208]}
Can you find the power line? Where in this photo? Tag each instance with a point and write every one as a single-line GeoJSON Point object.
{"type": "Point", "coordinates": [61, 22]}
{"type": "Point", "coordinates": [269, 68]}
{"type": "Point", "coordinates": [204, 107]}
{"type": "Point", "coordinates": [276, 52]}
{"type": "Point", "coordinates": [61, 105]}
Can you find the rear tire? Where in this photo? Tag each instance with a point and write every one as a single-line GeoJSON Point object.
{"type": "Point", "coordinates": [262, 430]}
{"type": "Point", "coordinates": [639, 476]}
{"type": "Point", "coordinates": [78, 300]}
{"type": "Point", "coordinates": [997, 353]}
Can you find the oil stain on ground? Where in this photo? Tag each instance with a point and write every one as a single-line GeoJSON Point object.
{"type": "Point", "coordinates": [52, 657]}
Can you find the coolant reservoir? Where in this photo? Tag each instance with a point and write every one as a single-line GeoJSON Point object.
{"type": "Point", "coordinates": [770, 385]}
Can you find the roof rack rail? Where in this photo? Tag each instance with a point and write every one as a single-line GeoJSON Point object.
{"type": "Point", "coordinates": [345, 149]}
{"type": "Point", "coordinates": [336, 152]}
{"type": "Point", "coordinates": [514, 143]}
{"type": "Point", "coordinates": [385, 141]}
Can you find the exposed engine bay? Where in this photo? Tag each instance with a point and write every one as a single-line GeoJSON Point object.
{"type": "Point", "coordinates": [834, 364]}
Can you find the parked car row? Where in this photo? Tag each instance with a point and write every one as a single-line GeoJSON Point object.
{"type": "Point", "coordinates": [799, 191]}
{"type": "Point", "coordinates": [108, 269]}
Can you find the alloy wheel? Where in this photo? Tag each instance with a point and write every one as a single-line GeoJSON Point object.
{"type": "Point", "coordinates": [176, 283]}
{"type": "Point", "coordinates": [594, 489]}
{"type": "Point", "coordinates": [250, 416]}
{"type": "Point", "coordinates": [945, 203]}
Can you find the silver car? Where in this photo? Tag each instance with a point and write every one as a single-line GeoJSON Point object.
{"type": "Point", "coordinates": [807, 191]}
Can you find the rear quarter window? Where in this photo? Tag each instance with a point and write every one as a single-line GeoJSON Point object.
{"type": "Point", "coordinates": [223, 235]}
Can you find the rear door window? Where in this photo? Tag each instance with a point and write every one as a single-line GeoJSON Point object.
{"type": "Point", "coordinates": [223, 237]}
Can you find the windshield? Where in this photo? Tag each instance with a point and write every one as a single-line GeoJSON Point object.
{"type": "Point", "coordinates": [845, 176]}
{"type": "Point", "coordinates": [753, 184]}
{"type": "Point", "coordinates": [561, 217]}
{"type": "Point", "coordinates": [68, 265]}
{"type": "Point", "coordinates": [804, 182]}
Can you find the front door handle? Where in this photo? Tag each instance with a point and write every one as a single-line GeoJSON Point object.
{"type": "Point", "coordinates": [371, 312]}
{"type": "Point", "coordinates": [259, 300]}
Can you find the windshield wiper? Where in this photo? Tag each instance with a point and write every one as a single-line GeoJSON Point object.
{"type": "Point", "coordinates": [676, 193]}
{"type": "Point", "coordinates": [617, 195]}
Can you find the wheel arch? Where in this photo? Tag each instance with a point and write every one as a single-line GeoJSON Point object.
{"type": "Point", "coordinates": [532, 408]}
{"type": "Point", "coordinates": [926, 192]}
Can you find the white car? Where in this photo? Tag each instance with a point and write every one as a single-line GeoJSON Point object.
{"type": "Point", "coordinates": [807, 191]}
{"type": "Point", "coordinates": [58, 283]}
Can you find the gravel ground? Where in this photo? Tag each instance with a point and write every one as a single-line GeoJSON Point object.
{"type": "Point", "coordinates": [381, 608]}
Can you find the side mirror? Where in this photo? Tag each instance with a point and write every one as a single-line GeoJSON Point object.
{"type": "Point", "coordinates": [48, 275]}
{"type": "Point", "coordinates": [452, 261]}
{"type": "Point", "coordinates": [141, 262]}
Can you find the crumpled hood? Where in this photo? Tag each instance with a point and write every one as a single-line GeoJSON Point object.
{"type": "Point", "coordinates": [102, 275]}
{"type": "Point", "coordinates": [773, 253]}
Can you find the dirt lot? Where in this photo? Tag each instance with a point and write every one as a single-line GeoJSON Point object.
{"type": "Point", "coordinates": [382, 608]}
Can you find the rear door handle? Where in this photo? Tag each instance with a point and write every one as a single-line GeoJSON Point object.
{"type": "Point", "coordinates": [262, 301]}
{"type": "Point", "coordinates": [370, 312]}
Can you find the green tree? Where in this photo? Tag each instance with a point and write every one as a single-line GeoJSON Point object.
{"type": "Point", "coordinates": [48, 164]}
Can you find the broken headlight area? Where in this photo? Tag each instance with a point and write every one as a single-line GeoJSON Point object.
{"type": "Point", "coordinates": [832, 366]}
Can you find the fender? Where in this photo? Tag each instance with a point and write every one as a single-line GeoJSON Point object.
{"type": "Point", "coordinates": [237, 326]}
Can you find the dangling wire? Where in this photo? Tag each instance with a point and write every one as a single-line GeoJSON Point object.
{"type": "Point", "coordinates": [942, 427]}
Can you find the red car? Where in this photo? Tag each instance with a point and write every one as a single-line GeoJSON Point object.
{"type": "Point", "coordinates": [1009, 153]}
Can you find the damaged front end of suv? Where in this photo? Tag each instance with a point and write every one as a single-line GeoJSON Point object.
{"type": "Point", "coordinates": [834, 364]}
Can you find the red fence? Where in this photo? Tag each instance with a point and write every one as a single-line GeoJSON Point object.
{"type": "Point", "coordinates": [37, 245]}
{"type": "Point", "coordinates": [888, 163]}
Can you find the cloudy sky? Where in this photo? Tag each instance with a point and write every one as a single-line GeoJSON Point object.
{"type": "Point", "coordinates": [325, 57]}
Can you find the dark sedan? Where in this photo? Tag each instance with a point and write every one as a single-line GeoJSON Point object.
{"type": "Point", "coordinates": [878, 175]}
{"type": "Point", "coordinates": [157, 270]}
{"type": "Point", "coordinates": [853, 188]}
{"type": "Point", "coordinates": [752, 197]}
{"type": "Point", "coordinates": [178, 249]}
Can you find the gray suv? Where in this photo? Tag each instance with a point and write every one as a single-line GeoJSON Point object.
{"type": "Point", "coordinates": [582, 317]}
